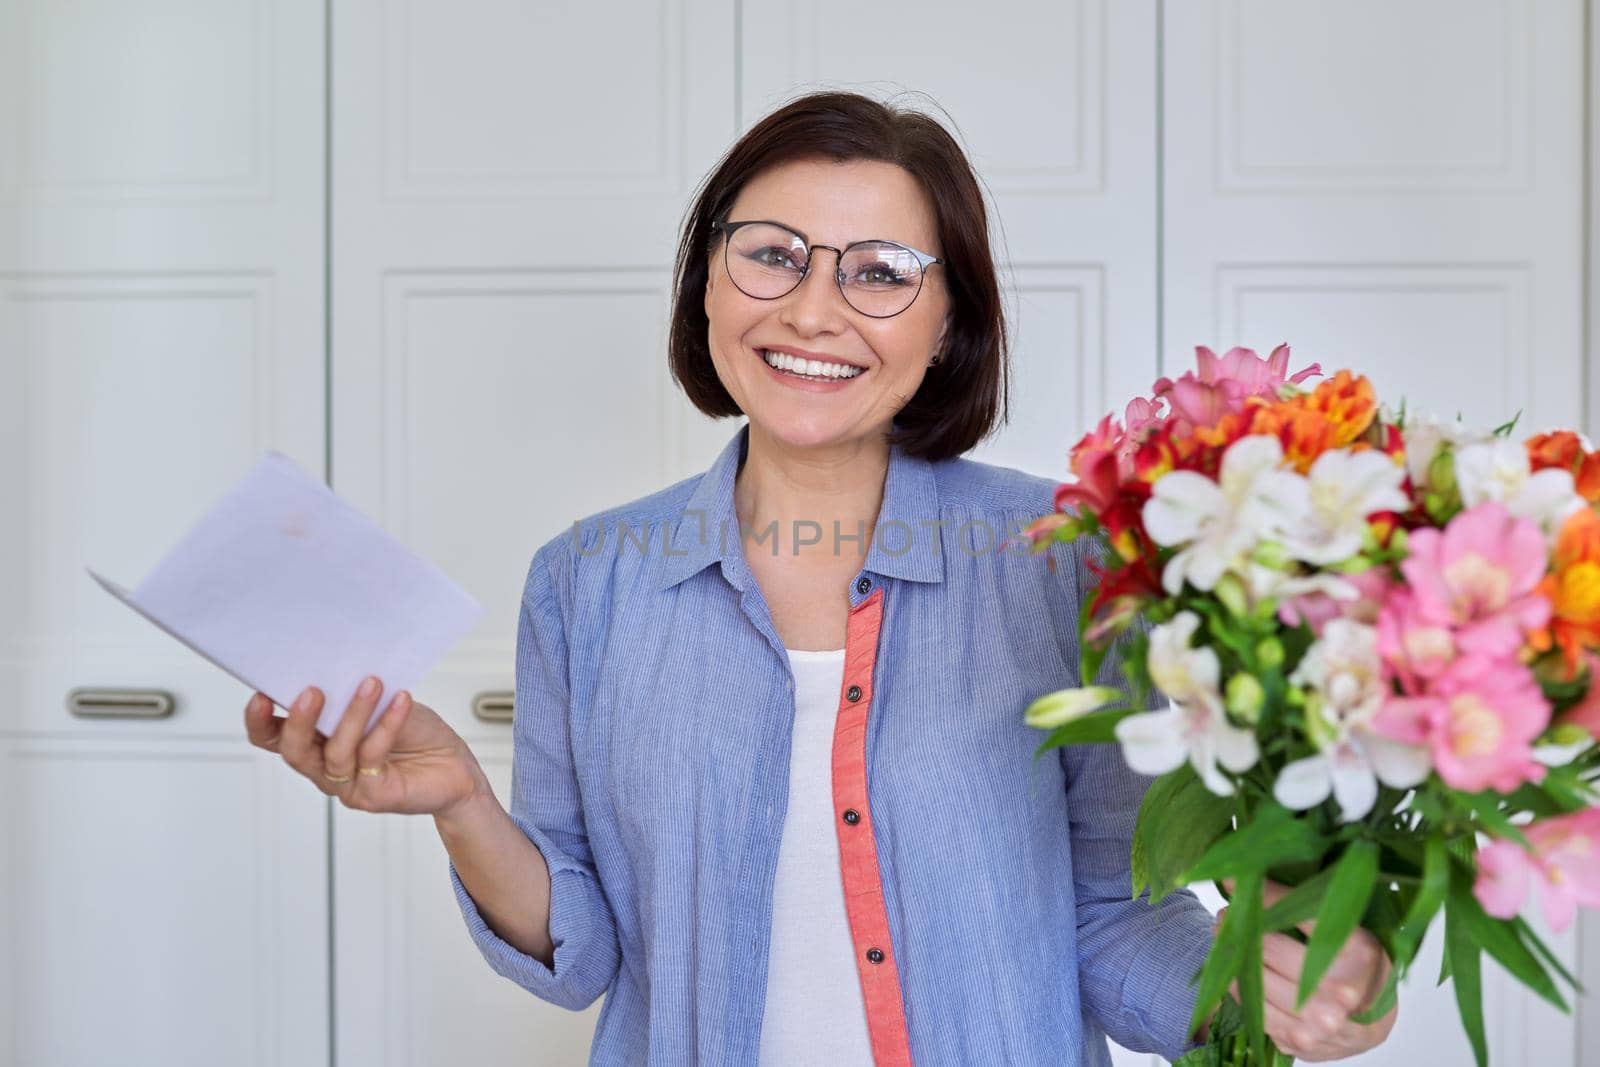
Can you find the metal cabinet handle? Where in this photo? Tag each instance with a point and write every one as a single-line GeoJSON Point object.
{"type": "Point", "coordinates": [92, 703]}
{"type": "Point", "coordinates": [494, 705]}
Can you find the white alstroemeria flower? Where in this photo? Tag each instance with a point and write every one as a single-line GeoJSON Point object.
{"type": "Point", "coordinates": [1499, 470]}
{"type": "Point", "coordinates": [1346, 488]}
{"type": "Point", "coordinates": [1220, 522]}
{"type": "Point", "coordinates": [1195, 727]}
{"type": "Point", "coordinates": [1345, 675]}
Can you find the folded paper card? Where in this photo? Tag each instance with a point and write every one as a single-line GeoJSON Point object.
{"type": "Point", "coordinates": [284, 585]}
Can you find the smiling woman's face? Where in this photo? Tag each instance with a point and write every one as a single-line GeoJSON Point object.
{"type": "Point", "coordinates": [832, 204]}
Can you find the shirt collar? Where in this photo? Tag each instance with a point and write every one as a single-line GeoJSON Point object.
{"type": "Point", "coordinates": [906, 545]}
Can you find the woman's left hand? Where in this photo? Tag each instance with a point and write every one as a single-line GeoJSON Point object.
{"type": "Point", "coordinates": [1322, 1029]}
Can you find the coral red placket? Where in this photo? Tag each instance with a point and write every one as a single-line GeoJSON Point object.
{"type": "Point", "coordinates": [858, 853]}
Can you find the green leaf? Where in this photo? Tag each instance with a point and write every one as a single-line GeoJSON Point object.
{"type": "Point", "coordinates": [1543, 952]}
{"type": "Point", "coordinates": [1274, 836]}
{"type": "Point", "coordinates": [1486, 806]}
{"type": "Point", "coordinates": [1385, 1003]}
{"type": "Point", "coordinates": [1567, 789]}
{"type": "Point", "coordinates": [1090, 655]}
{"type": "Point", "coordinates": [1408, 935]}
{"type": "Point", "coordinates": [1346, 899]}
{"type": "Point", "coordinates": [1178, 820]}
{"type": "Point", "coordinates": [1220, 968]}
{"type": "Point", "coordinates": [1430, 895]}
{"type": "Point", "coordinates": [1299, 904]}
{"type": "Point", "coordinates": [1247, 904]}
{"type": "Point", "coordinates": [1095, 728]}
{"type": "Point", "coordinates": [1499, 938]}
{"type": "Point", "coordinates": [1466, 968]}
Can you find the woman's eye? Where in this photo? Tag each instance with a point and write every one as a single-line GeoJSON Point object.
{"type": "Point", "coordinates": [879, 274]}
{"type": "Point", "coordinates": [774, 257]}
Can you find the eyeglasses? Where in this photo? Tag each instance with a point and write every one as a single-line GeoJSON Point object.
{"type": "Point", "coordinates": [765, 260]}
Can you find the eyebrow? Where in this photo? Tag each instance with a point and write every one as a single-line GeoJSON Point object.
{"type": "Point", "coordinates": [803, 236]}
{"type": "Point", "coordinates": [778, 222]}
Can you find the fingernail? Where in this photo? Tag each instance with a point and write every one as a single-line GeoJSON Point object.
{"type": "Point", "coordinates": [303, 701]}
{"type": "Point", "coordinates": [369, 686]}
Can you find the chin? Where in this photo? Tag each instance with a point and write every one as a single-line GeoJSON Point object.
{"type": "Point", "coordinates": [800, 432]}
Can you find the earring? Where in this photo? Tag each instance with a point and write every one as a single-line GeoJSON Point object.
{"type": "Point", "coordinates": [933, 361]}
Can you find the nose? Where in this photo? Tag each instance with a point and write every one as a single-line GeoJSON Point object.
{"type": "Point", "coordinates": [816, 305]}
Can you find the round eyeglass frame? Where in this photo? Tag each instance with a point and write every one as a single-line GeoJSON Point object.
{"type": "Point", "coordinates": [727, 229]}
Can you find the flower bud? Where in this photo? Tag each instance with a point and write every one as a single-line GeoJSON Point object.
{"type": "Point", "coordinates": [1230, 591]}
{"type": "Point", "coordinates": [1442, 472]}
{"type": "Point", "coordinates": [1319, 730]}
{"type": "Point", "coordinates": [1269, 653]}
{"type": "Point", "coordinates": [1113, 619]}
{"type": "Point", "coordinates": [1065, 705]}
{"type": "Point", "coordinates": [1568, 733]}
{"type": "Point", "coordinates": [1271, 554]}
{"type": "Point", "coordinates": [1245, 698]}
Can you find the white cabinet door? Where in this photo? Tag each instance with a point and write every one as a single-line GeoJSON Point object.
{"type": "Point", "coordinates": [1393, 187]}
{"type": "Point", "coordinates": [162, 884]}
{"type": "Point", "coordinates": [1056, 105]}
{"type": "Point", "coordinates": [508, 179]}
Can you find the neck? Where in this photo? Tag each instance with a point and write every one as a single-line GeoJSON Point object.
{"type": "Point", "coordinates": [805, 491]}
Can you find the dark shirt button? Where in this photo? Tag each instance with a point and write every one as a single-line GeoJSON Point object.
{"type": "Point", "coordinates": [875, 955]}
{"type": "Point", "coordinates": [851, 816]}
{"type": "Point", "coordinates": [863, 585]}
{"type": "Point", "coordinates": [853, 694]}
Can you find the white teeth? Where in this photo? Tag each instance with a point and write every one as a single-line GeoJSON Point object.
{"type": "Point", "coordinates": [813, 368]}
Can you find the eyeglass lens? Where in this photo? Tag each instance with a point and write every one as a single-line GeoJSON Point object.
{"type": "Point", "coordinates": [879, 278]}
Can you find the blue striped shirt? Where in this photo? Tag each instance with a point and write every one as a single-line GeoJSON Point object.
{"type": "Point", "coordinates": [654, 708]}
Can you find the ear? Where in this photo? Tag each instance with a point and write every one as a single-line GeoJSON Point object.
{"type": "Point", "coordinates": [938, 341]}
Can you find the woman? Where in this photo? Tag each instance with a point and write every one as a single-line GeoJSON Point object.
{"type": "Point", "coordinates": [772, 789]}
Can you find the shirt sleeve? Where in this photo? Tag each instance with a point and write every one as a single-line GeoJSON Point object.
{"type": "Point", "coordinates": [546, 805]}
{"type": "Point", "coordinates": [1136, 961]}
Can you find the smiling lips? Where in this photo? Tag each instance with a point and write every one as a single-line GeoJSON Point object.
{"type": "Point", "coordinates": [810, 369]}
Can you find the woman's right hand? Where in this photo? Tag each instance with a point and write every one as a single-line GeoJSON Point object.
{"type": "Point", "coordinates": [411, 762]}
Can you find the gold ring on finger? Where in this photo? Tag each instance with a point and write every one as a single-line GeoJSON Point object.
{"type": "Point", "coordinates": [373, 771]}
{"type": "Point", "coordinates": [337, 777]}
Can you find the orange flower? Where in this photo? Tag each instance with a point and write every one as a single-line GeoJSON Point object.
{"type": "Point", "coordinates": [1332, 415]}
{"type": "Point", "coordinates": [1573, 588]}
{"type": "Point", "coordinates": [1559, 449]}
{"type": "Point", "coordinates": [1564, 449]}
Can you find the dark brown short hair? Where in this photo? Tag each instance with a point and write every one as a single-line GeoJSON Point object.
{"type": "Point", "coordinates": [963, 396]}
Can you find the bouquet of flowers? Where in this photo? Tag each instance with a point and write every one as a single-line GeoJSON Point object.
{"type": "Point", "coordinates": [1378, 635]}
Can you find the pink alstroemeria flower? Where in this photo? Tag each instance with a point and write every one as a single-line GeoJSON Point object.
{"type": "Point", "coordinates": [1223, 383]}
{"type": "Point", "coordinates": [1479, 718]}
{"type": "Point", "coordinates": [1478, 576]}
{"type": "Point", "coordinates": [1415, 647]}
{"type": "Point", "coordinates": [1565, 862]}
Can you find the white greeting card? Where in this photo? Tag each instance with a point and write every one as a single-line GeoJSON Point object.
{"type": "Point", "coordinates": [284, 585]}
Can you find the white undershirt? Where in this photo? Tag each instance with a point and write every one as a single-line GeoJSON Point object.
{"type": "Point", "coordinates": [814, 1010]}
